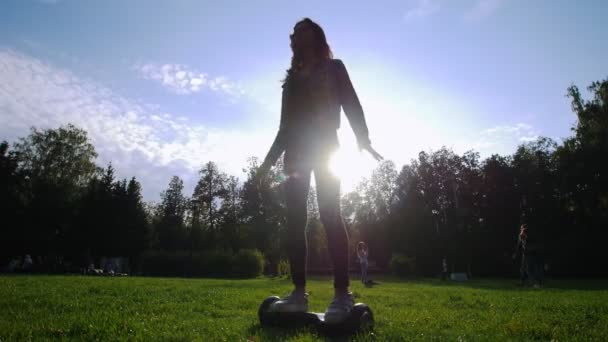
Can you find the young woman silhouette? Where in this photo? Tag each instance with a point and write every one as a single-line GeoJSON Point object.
{"type": "Point", "coordinates": [315, 88]}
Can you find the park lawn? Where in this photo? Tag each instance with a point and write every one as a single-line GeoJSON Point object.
{"type": "Point", "coordinates": [174, 309]}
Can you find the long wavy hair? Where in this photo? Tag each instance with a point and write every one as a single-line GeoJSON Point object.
{"type": "Point", "coordinates": [321, 49]}
{"type": "Point", "coordinates": [361, 246]}
{"type": "Point", "coordinates": [523, 231]}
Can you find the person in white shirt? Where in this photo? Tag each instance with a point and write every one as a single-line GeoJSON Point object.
{"type": "Point", "coordinates": [27, 262]}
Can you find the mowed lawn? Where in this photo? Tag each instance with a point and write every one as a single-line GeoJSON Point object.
{"type": "Point", "coordinates": [173, 309]}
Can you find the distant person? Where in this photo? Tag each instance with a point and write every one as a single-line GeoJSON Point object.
{"type": "Point", "coordinates": [519, 248]}
{"type": "Point", "coordinates": [362, 253]}
{"type": "Point", "coordinates": [315, 88]}
{"type": "Point", "coordinates": [444, 269]}
{"type": "Point", "coordinates": [529, 246]}
{"type": "Point", "coordinates": [519, 251]}
{"type": "Point", "coordinates": [27, 263]}
{"type": "Point", "coordinates": [535, 256]}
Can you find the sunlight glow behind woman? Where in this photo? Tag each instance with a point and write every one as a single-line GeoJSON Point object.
{"type": "Point", "coordinates": [351, 166]}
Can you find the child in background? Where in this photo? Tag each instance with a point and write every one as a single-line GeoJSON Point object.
{"type": "Point", "coordinates": [362, 255]}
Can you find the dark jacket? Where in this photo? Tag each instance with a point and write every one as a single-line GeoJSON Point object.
{"type": "Point", "coordinates": [310, 110]}
{"type": "Point", "coordinates": [530, 243]}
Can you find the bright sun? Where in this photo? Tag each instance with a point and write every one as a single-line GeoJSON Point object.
{"type": "Point", "coordinates": [351, 166]}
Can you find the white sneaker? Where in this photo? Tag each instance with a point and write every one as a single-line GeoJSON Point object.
{"type": "Point", "coordinates": [294, 302]}
{"type": "Point", "coordinates": [339, 308]}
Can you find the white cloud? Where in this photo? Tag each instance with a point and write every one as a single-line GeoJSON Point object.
{"type": "Point", "coordinates": [421, 9]}
{"type": "Point", "coordinates": [482, 9]}
{"type": "Point", "coordinates": [474, 10]}
{"type": "Point", "coordinates": [520, 127]}
{"type": "Point", "coordinates": [528, 138]}
{"type": "Point", "coordinates": [497, 137]}
{"type": "Point", "coordinates": [138, 139]}
{"type": "Point", "coordinates": [184, 80]}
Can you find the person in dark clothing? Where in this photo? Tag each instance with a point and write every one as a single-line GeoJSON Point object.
{"type": "Point", "coordinates": [315, 88]}
{"type": "Point", "coordinates": [444, 269]}
{"type": "Point", "coordinates": [529, 246]}
{"type": "Point", "coordinates": [519, 250]}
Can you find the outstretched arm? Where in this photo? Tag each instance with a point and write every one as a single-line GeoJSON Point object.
{"type": "Point", "coordinates": [353, 110]}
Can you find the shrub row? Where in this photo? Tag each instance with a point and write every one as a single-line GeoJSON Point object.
{"type": "Point", "coordinates": [245, 263]}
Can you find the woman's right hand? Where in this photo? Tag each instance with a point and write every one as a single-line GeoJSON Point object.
{"type": "Point", "coordinates": [372, 151]}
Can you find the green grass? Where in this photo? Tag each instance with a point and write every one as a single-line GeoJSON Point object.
{"type": "Point", "coordinates": [132, 308]}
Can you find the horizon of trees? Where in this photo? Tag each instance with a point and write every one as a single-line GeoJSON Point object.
{"type": "Point", "coordinates": [57, 203]}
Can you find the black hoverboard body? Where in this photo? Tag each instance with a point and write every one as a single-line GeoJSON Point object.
{"type": "Point", "coordinates": [361, 319]}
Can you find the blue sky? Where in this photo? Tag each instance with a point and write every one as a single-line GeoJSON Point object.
{"type": "Point", "coordinates": [164, 86]}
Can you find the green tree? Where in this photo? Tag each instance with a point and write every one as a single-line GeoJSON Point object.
{"type": "Point", "coordinates": [536, 183]}
{"type": "Point", "coordinates": [583, 184]}
{"type": "Point", "coordinates": [58, 164]}
{"type": "Point", "coordinates": [206, 201]}
{"type": "Point", "coordinates": [230, 214]}
{"type": "Point", "coordinates": [12, 204]}
{"type": "Point", "coordinates": [379, 200]}
{"type": "Point", "coordinates": [170, 217]}
{"type": "Point", "coordinates": [500, 210]}
{"type": "Point", "coordinates": [136, 224]}
{"type": "Point", "coordinates": [263, 210]}
{"type": "Point", "coordinates": [62, 156]}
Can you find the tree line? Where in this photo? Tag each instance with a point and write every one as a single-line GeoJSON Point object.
{"type": "Point", "coordinates": [57, 204]}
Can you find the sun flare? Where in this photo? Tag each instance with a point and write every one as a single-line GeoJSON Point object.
{"type": "Point", "coordinates": [351, 166]}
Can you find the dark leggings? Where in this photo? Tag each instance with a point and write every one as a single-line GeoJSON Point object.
{"type": "Point", "coordinates": [328, 197]}
{"type": "Point", "coordinates": [535, 267]}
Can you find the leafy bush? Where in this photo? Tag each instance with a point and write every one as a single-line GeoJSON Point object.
{"type": "Point", "coordinates": [403, 265]}
{"type": "Point", "coordinates": [245, 263]}
{"type": "Point", "coordinates": [162, 263]}
{"type": "Point", "coordinates": [248, 263]}
{"type": "Point", "coordinates": [283, 268]}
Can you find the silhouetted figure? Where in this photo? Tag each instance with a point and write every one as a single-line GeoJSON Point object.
{"type": "Point", "coordinates": [362, 253]}
{"type": "Point", "coordinates": [519, 251]}
{"type": "Point", "coordinates": [444, 269]}
{"type": "Point", "coordinates": [315, 88]}
{"type": "Point", "coordinates": [27, 263]}
{"type": "Point", "coordinates": [529, 246]}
